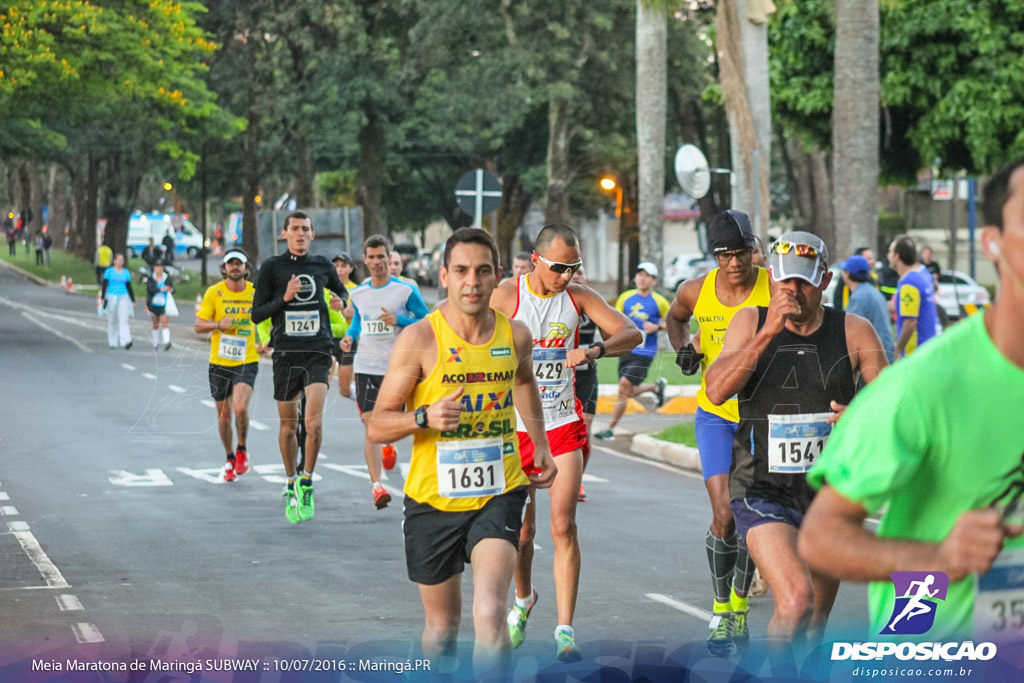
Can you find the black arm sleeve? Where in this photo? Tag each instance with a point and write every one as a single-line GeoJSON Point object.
{"type": "Point", "coordinates": [103, 288]}
{"type": "Point", "coordinates": [265, 302]}
{"type": "Point", "coordinates": [131, 292]}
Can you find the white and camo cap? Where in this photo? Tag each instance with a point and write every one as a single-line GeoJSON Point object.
{"type": "Point", "coordinates": [798, 254]}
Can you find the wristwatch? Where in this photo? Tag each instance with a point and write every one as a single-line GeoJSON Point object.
{"type": "Point", "coordinates": [421, 417]}
{"type": "Point", "coordinates": [600, 346]}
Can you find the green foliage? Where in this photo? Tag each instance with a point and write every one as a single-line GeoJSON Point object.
{"type": "Point", "coordinates": [951, 72]}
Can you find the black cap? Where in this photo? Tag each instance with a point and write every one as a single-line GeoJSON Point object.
{"type": "Point", "coordinates": [730, 231]}
{"type": "Point", "coordinates": [343, 256]}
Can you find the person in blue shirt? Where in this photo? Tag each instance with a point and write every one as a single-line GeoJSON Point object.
{"type": "Point", "coordinates": [647, 309]}
{"type": "Point", "coordinates": [917, 319]}
{"type": "Point", "coordinates": [868, 302]}
{"type": "Point", "coordinates": [118, 300]}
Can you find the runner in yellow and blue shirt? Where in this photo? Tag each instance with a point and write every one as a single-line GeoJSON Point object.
{"type": "Point", "coordinates": [647, 309]}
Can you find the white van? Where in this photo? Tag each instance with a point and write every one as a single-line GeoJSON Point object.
{"type": "Point", "coordinates": [187, 238]}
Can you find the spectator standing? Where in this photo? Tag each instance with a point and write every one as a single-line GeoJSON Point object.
{"type": "Point", "coordinates": [868, 302]}
{"type": "Point", "coordinates": [917, 319]}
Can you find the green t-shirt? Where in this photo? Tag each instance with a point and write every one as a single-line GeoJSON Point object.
{"type": "Point", "coordinates": [936, 435]}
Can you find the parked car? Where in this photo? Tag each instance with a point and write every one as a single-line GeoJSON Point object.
{"type": "Point", "coordinates": [686, 267]}
{"type": "Point", "coordinates": [957, 289]}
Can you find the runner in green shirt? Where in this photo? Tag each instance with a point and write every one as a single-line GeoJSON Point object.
{"type": "Point", "coordinates": [936, 446]}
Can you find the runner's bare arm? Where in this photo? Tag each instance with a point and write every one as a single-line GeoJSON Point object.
{"type": "Point", "coordinates": [620, 334]}
{"type": "Point", "coordinates": [833, 541]}
{"type": "Point", "coordinates": [527, 401]}
{"type": "Point", "coordinates": [504, 297]}
{"type": "Point", "coordinates": [866, 353]}
{"type": "Point", "coordinates": [743, 345]}
{"type": "Point", "coordinates": [677, 322]}
{"type": "Point", "coordinates": [412, 358]}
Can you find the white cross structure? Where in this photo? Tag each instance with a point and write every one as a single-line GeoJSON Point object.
{"type": "Point", "coordinates": [471, 186]}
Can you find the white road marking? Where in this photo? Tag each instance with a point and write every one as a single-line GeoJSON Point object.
{"type": "Point", "coordinates": [258, 426]}
{"type": "Point", "coordinates": [56, 333]}
{"type": "Point", "coordinates": [69, 603]}
{"type": "Point", "coordinates": [645, 461]}
{"type": "Point", "coordinates": [212, 475]}
{"type": "Point", "coordinates": [208, 403]}
{"type": "Point", "coordinates": [127, 366]}
{"type": "Point", "coordinates": [149, 375]}
{"type": "Point", "coordinates": [17, 526]}
{"type": "Point", "coordinates": [4, 496]}
{"type": "Point", "coordinates": [8, 511]}
{"type": "Point", "coordinates": [275, 473]}
{"type": "Point", "coordinates": [87, 633]}
{"type": "Point", "coordinates": [701, 614]}
{"type": "Point", "coordinates": [49, 571]}
{"type": "Point", "coordinates": [360, 472]}
{"type": "Point", "coordinates": [150, 478]}
{"type": "Point", "coordinates": [593, 479]}
{"type": "Point", "coordinates": [176, 389]}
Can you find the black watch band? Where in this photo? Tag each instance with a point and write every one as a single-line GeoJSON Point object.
{"type": "Point", "coordinates": [421, 417]}
{"type": "Point", "coordinates": [600, 345]}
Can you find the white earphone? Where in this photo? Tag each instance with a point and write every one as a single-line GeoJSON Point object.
{"type": "Point", "coordinates": [993, 249]}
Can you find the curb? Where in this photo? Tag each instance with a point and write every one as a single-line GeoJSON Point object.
{"type": "Point", "coordinates": [675, 454]}
{"type": "Point", "coordinates": [31, 276]}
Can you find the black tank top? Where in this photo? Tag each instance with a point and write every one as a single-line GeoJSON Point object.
{"type": "Point", "coordinates": [794, 376]}
{"type": "Point", "coordinates": [587, 330]}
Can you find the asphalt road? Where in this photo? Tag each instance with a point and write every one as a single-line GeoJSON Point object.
{"type": "Point", "coordinates": [118, 540]}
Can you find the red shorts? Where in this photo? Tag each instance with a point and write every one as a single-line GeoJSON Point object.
{"type": "Point", "coordinates": [564, 439]}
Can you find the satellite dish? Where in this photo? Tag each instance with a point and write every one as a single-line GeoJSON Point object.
{"type": "Point", "coordinates": [692, 171]}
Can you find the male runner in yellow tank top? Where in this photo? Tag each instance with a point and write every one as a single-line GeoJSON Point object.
{"type": "Point", "coordinates": [714, 299]}
{"type": "Point", "coordinates": [462, 372]}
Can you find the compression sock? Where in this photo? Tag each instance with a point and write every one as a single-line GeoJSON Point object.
{"type": "Point", "coordinates": [743, 574]}
{"type": "Point", "coordinates": [721, 560]}
{"type": "Point", "coordinates": [156, 338]}
{"type": "Point", "coordinates": [165, 335]}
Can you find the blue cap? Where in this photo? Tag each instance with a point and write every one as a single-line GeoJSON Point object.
{"type": "Point", "coordinates": [856, 265]}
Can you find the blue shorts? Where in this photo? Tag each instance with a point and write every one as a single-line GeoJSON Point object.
{"type": "Point", "coordinates": [752, 512]}
{"type": "Point", "coordinates": [714, 441]}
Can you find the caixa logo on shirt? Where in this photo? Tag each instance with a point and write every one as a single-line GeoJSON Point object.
{"type": "Point", "coordinates": [917, 599]}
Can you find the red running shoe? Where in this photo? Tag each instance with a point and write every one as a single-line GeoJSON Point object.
{"type": "Point", "coordinates": [388, 456]}
{"type": "Point", "coordinates": [229, 471]}
{"type": "Point", "coordinates": [381, 497]}
{"type": "Point", "coordinates": [241, 461]}
{"type": "Point", "coordinates": [582, 496]}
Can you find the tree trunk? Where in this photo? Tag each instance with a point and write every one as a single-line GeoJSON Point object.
{"type": "Point", "coordinates": [820, 164]}
{"type": "Point", "coordinates": [251, 188]}
{"type": "Point", "coordinates": [743, 62]}
{"type": "Point", "coordinates": [59, 222]}
{"type": "Point", "coordinates": [304, 191]}
{"type": "Point", "coordinates": [558, 170]}
{"type": "Point", "coordinates": [35, 198]}
{"type": "Point", "coordinates": [651, 37]}
{"type": "Point", "coordinates": [855, 125]}
{"type": "Point", "coordinates": [515, 202]}
{"type": "Point", "coordinates": [92, 196]}
{"type": "Point", "coordinates": [371, 175]}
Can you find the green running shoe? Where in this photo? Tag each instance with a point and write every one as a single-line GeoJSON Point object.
{"type": "Point", "coordinates": [740, 634]}
{"type": "Point", "coordinates": [565, 647]}
{"type": "Point", "coordinates": [517, 617]}
{"type": "Point", "coordinates": [720, 642]}
{"type": "Point", "coordinates": [291, 505]}
{"type": "Point", "coordinates": [305, 496]}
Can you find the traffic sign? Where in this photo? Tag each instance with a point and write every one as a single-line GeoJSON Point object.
{"type": "Point", "coordinates": [478, 194]}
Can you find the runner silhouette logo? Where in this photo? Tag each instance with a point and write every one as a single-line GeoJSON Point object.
{"type": "Point", "coordinates": [917, 598]}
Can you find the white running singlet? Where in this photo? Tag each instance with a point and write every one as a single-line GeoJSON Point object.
{"type": "Point", "coordinates": [554, 322]}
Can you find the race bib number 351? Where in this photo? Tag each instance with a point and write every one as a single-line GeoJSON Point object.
{"type": "Point", "coordinates": [470, 469]}
{"type": "Point", "coordinates": [796, 441]}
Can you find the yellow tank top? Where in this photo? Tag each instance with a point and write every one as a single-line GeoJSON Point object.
{"type": "Point", "coordinates": [714, 318]}
{"type": "Point", "coordinates": [462, 469]}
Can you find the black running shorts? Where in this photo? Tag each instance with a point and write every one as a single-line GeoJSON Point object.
{"type": "Point", "coordinates": [634, 367]}
{"type": "Point", "coordinates": [367, 387]}
{"type": "Point", "coordinates": [439, 544]}
{"type": "Point", "coordinates": [586, 387]}
{"type": "Point", "coordinates": [223, 378]}
{"type": "Point", "coordinates": [296, 370]}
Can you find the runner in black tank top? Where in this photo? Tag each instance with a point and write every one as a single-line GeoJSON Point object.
{"type": "Point", "coordinates": [586, 373]}
{"type": "Point", "coordinates": [793, 367]}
